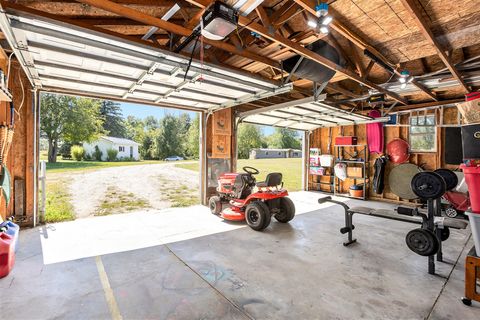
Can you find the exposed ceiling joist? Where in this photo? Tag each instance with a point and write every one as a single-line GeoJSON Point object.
{"type": "Point", "coordinates": [253, 26]}
{"type": "Point", "coordinates": [171, 27]}
{"type": "Point", "coordinates": [428, 34]}
{"type": "Point", "coordinates": [309, 5]}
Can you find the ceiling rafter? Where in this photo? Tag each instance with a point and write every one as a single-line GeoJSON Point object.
{"type": "Point", "coordinates": [428, 34]}
{"type": "Point", "coordinates": [309, 5]}
{"type": "Point", "coordinates": [255, 27]}
{"type": "Point", "coordinates": [133, 14]}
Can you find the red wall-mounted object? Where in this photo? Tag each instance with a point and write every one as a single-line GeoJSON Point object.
{"type": "Point", "coordinates": [346, 141]}
{"type": "Point", "coordinates": [7, 254]}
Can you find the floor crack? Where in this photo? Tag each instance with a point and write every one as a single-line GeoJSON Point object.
{"type": "Point", "coordinates": [448, 277]}
{"type": "Point", "coordinates": [210, 285]}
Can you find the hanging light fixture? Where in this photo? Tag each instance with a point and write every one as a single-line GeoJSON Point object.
{"type": "Point", "coordinates": [323, 21]}
{"type": "Point", "coordinates": [405, 78]}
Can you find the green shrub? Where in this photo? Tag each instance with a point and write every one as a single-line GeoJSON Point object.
{"type": "Point", "coordinates": [112, 154]}
{"type": "Point", "coordinates": [87, 157]}
{"type": "Point", "coordinates": [77, 152]}
{"type": "Point", "coordinates": [65, 151]}
{"type": "Point", "coordinates": [97, 154]}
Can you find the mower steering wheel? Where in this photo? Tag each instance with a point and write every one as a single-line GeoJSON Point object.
{"type": "Point", "coordinates": [250, 170]}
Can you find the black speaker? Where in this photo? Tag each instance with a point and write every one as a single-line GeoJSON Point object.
{"type": "Point", "coordinates": [471, 141]}
{"type": "Point", "coordinates": [453, 145]}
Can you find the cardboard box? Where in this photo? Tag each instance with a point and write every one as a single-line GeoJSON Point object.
{"type": "Point", "coordinates": [355, 172]}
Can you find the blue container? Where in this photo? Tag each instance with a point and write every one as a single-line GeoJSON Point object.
{"type": "Point", "coordinates": [12, 229]}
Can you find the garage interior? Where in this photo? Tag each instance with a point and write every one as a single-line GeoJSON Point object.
{"type": "Point", "coordinates": [385, 95]}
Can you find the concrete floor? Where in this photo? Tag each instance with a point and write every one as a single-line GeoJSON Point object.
{"type": "Point", "coordinates": [188, 264]}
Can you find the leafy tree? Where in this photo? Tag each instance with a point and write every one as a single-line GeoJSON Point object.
{"type": "Point", "coordinates": [249, 137]}
{"type": "Point", "coordinates": [70, 119]}
{"type": "Point", "coordinates": [168, 141]}
{"type": "Point", "coordinates": [193, 139]}
{"type": "Point", "coordinates": [113, 123]}
{"type": "Point", "coordinates": [284, 138]}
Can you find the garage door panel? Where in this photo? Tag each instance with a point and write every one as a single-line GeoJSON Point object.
{"type": "Point", "coordinates": [117, 67]}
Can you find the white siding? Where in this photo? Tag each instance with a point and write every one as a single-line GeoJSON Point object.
{"type": "Point", "coordinates": [104, 145]}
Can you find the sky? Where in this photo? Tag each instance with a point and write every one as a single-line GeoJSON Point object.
{"type": "Point", "coordinates": [142, 111]}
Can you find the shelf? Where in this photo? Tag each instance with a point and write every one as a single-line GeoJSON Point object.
{"type": "Point", "coordinates": [350, 161]}
{"type": "Point", "coordinates": [350, 177]}
{"type": "Point", "coordinates": [346, 195]}
{"type": "Point", "coordinates": [352, 145]}
{"type": "Point", "coordinates": [4, 95]}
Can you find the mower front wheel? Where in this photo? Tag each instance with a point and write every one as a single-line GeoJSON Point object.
{"type": "Point", "coordinates": [287, 210]}
{"type": "Point", "coordinates": [257, 215]}
{"type": "Point", "coordinates": [215, 205]}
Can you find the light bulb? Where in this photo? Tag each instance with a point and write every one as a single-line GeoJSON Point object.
{"type": "Point", "coordinates": [404, 85]}
{"type": "Point", "coordinates": [402, 80]}
{"type": "Point", "coordinates": [312, 23]}
{"type": "Point", "coordinates": [324, 29]}
{"type": "Point", "coordinates": [326, 20]}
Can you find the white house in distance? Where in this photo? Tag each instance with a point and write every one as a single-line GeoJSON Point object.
{"type": "Point", "coordinates": [126, 148]}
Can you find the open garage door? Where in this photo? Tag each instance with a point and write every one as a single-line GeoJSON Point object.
{"type": "Point", "coordinates": [305, 114]}
{"type": "Point", "coordinates": [68, 59]}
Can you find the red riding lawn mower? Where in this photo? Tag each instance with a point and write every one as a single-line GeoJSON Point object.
{"type": "Point", "coordinates": [251, 201]}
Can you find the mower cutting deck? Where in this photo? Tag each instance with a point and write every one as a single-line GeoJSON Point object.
{"type": "Point", "coordinates": [240, 198]}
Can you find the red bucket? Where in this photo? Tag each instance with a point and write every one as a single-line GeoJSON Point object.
{"type": "Point", "coordinates": [472, 178]}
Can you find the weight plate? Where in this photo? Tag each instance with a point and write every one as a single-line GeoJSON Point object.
{"type": "Point", "coordinates": [422, 242]}
{"type": "Point", "coordinates": [400, 178]}
{"type": "Point", "coordinates": [445, 233]}
{"type": "Point", "coordinates": [428, 185]}
{"type": "Point", "coordinates": [451, 179]}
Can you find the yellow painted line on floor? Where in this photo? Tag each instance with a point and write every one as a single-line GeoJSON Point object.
{"type": "Point", "coordinates": [112, 303]}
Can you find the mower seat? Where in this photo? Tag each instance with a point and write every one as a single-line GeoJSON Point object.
{"type": "Point", "coordinates": [273, 179]}
{"type": "Point", "coordinates": [242, 185]}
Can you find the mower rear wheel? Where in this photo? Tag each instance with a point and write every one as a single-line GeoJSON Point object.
{"type": "Point", "coordinates": [257, 215]}
{"type": "Point", "coordinates": [215, 205]}
{"type": "Point", "coordinates": [287, 210]}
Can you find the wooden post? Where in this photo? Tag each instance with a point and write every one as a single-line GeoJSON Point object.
{"type": "Point", "coordinates": [305, 159]}
{"type": "Point", "coordinates": [203, 159]}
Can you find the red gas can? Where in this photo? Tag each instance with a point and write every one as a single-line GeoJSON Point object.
{"type": "Point", "coordinates": [7, 254]}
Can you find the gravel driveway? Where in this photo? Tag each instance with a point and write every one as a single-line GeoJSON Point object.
{"type": "Point", "coordinates": [150, 182]}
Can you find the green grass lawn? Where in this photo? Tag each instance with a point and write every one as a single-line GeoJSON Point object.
{"type": "Point", "coordinates": [72, 165]}
{"type": "Point", "coordinates": [57, 205]}
{"type": "Point", "coordinates": [291, 169]}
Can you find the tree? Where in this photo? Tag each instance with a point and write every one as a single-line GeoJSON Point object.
{"type": "Point", "coordinates": [284, 138]}
{"type": "Point", "coordinates": [113, 123]}
{"type": "Point", "coordinates": [70, 119]}
{"type": "Point", "coordinates": [193, 139]}
{"type": "Point", "coordinates": [249, 137]}
{"type": "Point", "coordinates": [169, 139]}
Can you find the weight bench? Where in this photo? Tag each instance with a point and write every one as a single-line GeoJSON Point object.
{"type": "Point", "coordinates": [441, 225]}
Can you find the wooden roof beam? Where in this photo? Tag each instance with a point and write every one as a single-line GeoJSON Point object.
{"type": "Point", "coordinates": [299, 49]}
{"type": "Point", "coordinates": [136, 15]}
{"type": "Point", "coordinates": [309, 5]}
{"type": "Point", "coordinates": [428, 34]}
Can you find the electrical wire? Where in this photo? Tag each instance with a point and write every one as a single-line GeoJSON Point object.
{"type": "Point", "coordinates": [23, 96]}
{"type": "Point", "coordinates": [8, 68]}
{"type": "Point", "coordinates": [191, 58]}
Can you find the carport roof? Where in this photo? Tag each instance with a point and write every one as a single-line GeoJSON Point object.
{"type": "Point", "coordinates": [68, 59]}
{"type": "Point", "coordinates": [305, 114]}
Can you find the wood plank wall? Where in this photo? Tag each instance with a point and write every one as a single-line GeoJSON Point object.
{"type": "Point", "coordinates": [21, 159]}
{"type": "Point", "coordinates": [429, 161]}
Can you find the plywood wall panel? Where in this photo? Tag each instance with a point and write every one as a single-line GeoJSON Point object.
{"type": "Point", "coordinates": [429, 161]}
